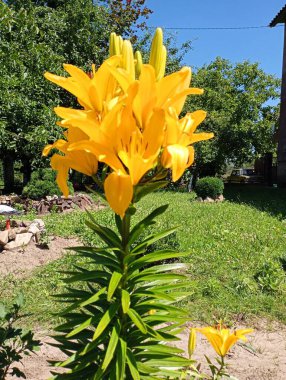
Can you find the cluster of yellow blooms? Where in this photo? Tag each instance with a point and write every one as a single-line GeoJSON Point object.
{"type": "Point", "coordinates": [129, 120]}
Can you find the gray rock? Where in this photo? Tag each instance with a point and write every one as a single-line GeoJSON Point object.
{"type": "Point", "coordinates": [12, 234]}
{"type": "Point", "coordinates": [21, 230]}
{"type": "Point", "coordinates": [34, 228]}
{"type": "Point", "coordinates": [40, 223]}
{"type": "Point", "coordinates": [4, 237]}
{"type": "Point", "coordinates": [20, 241]}
{"type": "Point", "coordinates": [26, 223]}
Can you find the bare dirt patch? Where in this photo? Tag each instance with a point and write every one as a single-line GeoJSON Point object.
{"type": "Point", "coordinates": [22, 261]}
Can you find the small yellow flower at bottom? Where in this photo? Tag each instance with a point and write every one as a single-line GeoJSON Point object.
{"type": "Point", "coordinates": [223, 339]}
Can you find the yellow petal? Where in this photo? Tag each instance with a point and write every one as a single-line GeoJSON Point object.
{"type": "Point", "coordinates": [61, 165]}
{"type": "Point", "coordinates": [78, 75]}
{"type": "Point", "coordinates": [196, 118]}
{"type": "Point", "coordinates": [73, 87]}
{"type": "Point", "coordinates": [59, 144]}
{"type": "Point", "coordinates": [175, 157]}
{"type": "Point", "coordinates": [173, 84]}
{"type": "Point", "coordinates": [119, 192]}
{"type": "Point", "coordinates": [230, 341]}
{"type": "Point", "coordinates": [214, 337]}
{"type": "Point", "coordinates": [153, 133]}
{"type": "Point", "coordinates": [143, 104]}
{"type": "Point", "coordinates": [101, 152]}
{"type": "Point", "coordinates": [83, 162]}
{"type": "Point", "coordinates": [122, 77]}
{"type": "Point", "coordinates": [47, 149]}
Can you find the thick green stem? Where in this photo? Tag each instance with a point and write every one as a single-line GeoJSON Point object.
{"type": "Point", "coordinates": [125, 251]}
{"type": "Point", "coordinates": [125, 232]}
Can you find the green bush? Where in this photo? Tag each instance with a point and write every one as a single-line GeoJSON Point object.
{"type": "Point", "coordinates": [43, 183]}
{"type": "Point", "coordinates": [209, 187]}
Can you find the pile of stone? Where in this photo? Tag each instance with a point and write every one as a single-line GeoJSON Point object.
{"type": "Point", "coordinates": [20, 234]}
{"type": "Point", "coordinates": [61, 204]}
{"type": "Point", "coordinates": [51, 203]}
{"type": "Point", "coordinates": [9, 200]}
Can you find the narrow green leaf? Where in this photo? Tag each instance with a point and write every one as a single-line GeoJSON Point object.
{"type": "Point", "coordinates": [107, 234]}
{"type": "Point", "coordinates": [121, 360]}
{"type": "Point", "coordinates": [114, 281]}
{"type": "Point", "coordinates": [143, 368]}
{"type": "Point", "coordinates": [131, 361]}
{"type": "Point", "coordinates": [111, 346]}
{"type": "Point", "coordinates": [156, 256]}
{"type": "Point", "coordinates": [158, 269]}
{"type": "Point", "coordinates": [137, 320]}
{"type": "Point", "coordinates": [88, 276]}
{"type": "Point", "coordinates": [141, 191]}
{"type": "Point", "coordinates": [174, 361]}
{"type": "Point", "coordinates": [81, 327]}
{"type": "Point", "coordinates": [161, 348]}
{"type": "Point", "coordinates": [152, 239]}
{"type": "Point", "coordinates": [158, 295]}
{"type": "Point", "coordinates": [139, 227]}
{"type": "Point", "coordinates": [125, 301]}
{"type": "Point", "coordinates": [93, 298]}
{"type": "Point", "coordinates": [160, 277]}
{"type": "Point", "coordinates": [105, 320]}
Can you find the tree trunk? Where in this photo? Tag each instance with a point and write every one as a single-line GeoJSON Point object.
{"type": "Point", "coordinates": [8, 173]}
{"type": "Point", "coordinates": [26, 170]}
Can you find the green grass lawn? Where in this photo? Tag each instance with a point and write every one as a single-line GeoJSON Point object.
{"type": "Point", "coordinates": [237, 254]}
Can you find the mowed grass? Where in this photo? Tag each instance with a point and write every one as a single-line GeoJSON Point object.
{"type": "Point", "coordinates": [237, 255]}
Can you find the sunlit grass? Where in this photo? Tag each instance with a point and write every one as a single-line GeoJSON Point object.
{"type": "Point", "coordinates": [236, 256]}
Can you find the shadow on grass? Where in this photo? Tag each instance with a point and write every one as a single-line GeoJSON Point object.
{"type": "Point", "coordinates": [269, 199]}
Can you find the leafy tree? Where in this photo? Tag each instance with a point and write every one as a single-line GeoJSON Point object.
{"type": "Point", "coordinates": [125, 15]}
{"type": "Point", "coordinates": [26, 120]}
{"type": "Point", "coordinates": [239, 102]}
{"type": "Point", "coordinates": [38, 36]}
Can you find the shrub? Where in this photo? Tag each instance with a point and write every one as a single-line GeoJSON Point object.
{"type": "Point", "coordinates": [43, 183]}
{"type": "Point", "coordinates": [209, 187]}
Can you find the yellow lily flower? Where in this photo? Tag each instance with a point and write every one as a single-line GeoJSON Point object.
{"type": "Point", "coordinates": [124, 147]}
{"type": "Point", "coordinates": [128, 124]}
{"type": "Point", "coordinates": [178, 154]}
{"type": "Point", "coordinates": [223, 339]}
{"type": "Point", "coordinates": [80, 161]}
{"type": "Point", "coordinates": [93, 93]}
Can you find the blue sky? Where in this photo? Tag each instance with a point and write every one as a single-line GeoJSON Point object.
{"type": "Point", "coordinates": [263, 45]}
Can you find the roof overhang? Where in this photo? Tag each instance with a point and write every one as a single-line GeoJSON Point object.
{"type": "Point", "coordinates": [280, 18]}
